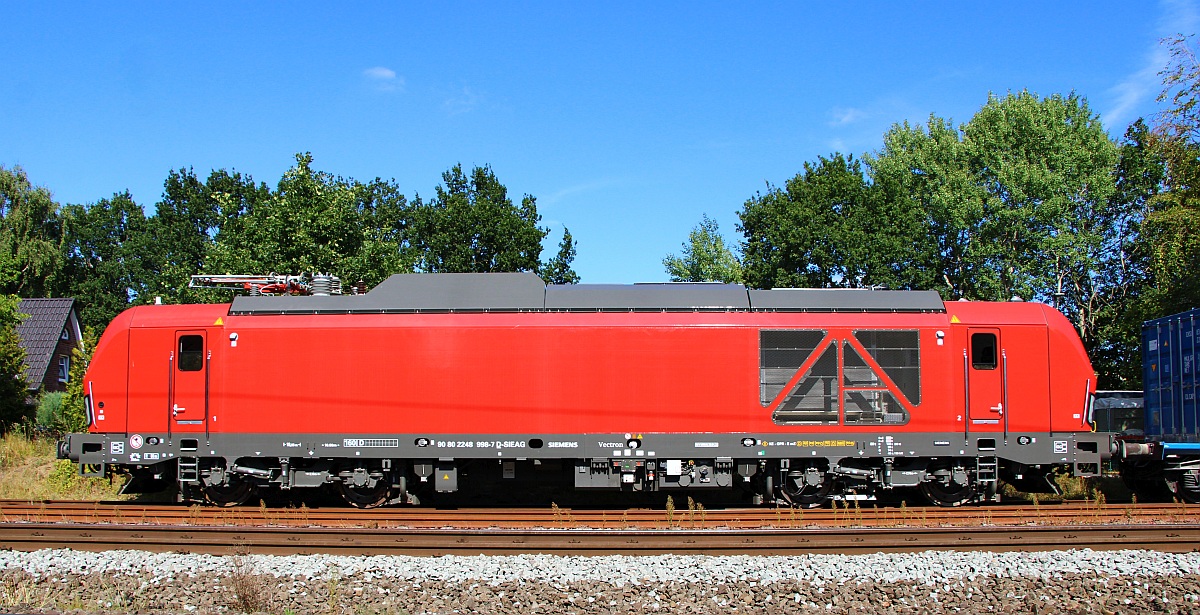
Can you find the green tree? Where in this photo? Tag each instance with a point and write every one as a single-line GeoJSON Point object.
{"type": "Point", "coordinates": [1170, 235]}
{"type": "Point", "coordinates": [30, 237]}
{"type": "Point", "coordinates": [105, 270]}
{"type": "Point", "coordinates": [704, 257]}
{"type": "Point", "coordinates": [73, 416]}
{"type": "Point", "coordinates": [1177, 127]}
{"type": "Point", "coordinates": [180, 237]}
{"type": "Point", "coordinates": [1125, 277]}
{"type": "Point", "coordinates": [1019, 202]}
{"type": "Point", "coordinates": [14, 395]}
{"type": "Point", "coordinates": [471, 225]}
{"type": "Point", "coordinates": [385, 248]}
{"type": "Point", "coordinates": [925, 170]}
{"type": "Point", "coordinates": [1046, 168]}
{"type": "Point", "coordinates": [558, 270]}
{"type": "Point", "coordinates": [319, 223]}
{"type": "Point", "coordinates": [829, 227]}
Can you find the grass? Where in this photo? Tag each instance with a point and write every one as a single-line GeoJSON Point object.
{"type": "Point", "coordinates": [30, 471]}
{"type": "Point", "coordinates": [251, 592]}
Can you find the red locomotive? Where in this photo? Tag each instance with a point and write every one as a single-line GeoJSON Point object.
{"type": "Point", "coordinates": [438, 383]}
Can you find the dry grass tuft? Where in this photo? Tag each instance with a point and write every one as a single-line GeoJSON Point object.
{"type": "Point", "coordinates": [30, 471]}
{"type": "Point", "coordinates": [250, 590]}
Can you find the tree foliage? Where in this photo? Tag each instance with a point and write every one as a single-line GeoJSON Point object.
{"type": "Point", "coordinates": [1124, 277]}
{"type": "Point", "coordinates": [704, 257]}
{"type": "Point", "coordinates": [1170, 233]}
{"type": "Point", "coordinates": [106, 268]}
{"type": "Point", "coordinates": [30, 237]}
{"type": "Point", "coordinates": [14, 395]}
{"type": "Point", "coordinates": [73, 416]}
{"type": "Point", "coordinates": [188, 220]}
{"type": "Point", "coordinates": [558, 270]}
{"type": "Point", "coordinates": [472, 226]}
{"type": "Point", "coordinates": [312, 222]}
{"type": "Point", "coordinates": [829, 227]}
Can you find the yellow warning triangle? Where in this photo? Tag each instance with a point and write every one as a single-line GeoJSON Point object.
{"type": "Point", "coordinates": [445, 477]}
{"type": "Point", "coordinates": [955, 320]}
{"type": "Point", "coordinates": [219, 322]}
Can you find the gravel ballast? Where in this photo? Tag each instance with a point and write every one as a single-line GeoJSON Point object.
{"type": "Point", "coordinates": [1076, 581]}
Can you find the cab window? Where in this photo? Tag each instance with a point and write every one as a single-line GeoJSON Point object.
{"type": "Point", "coordinates": [191, 353]}
{"type": "Point", "coordinates": [983, 350]}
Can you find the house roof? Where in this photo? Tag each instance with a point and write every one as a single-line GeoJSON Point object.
{"type": "Point", "coordinates": [40, 332]}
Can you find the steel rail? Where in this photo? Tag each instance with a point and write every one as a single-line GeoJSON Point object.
{"type": "Point", "coordinates": [430, 542]}
{"type": "Point", "coordinates": [1072, 513]}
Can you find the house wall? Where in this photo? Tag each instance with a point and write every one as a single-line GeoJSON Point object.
{"type": "Point", "coordinates": [50, 382]}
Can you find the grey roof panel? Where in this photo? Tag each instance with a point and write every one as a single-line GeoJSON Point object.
{"type": "Point", "coordinates": [845, 300]}
{"type": "Point", "coordinates": [475, 292]}
{"type": "Point", "coordinates": [434, 292]}
{"type": "Point", "coordinates": [667, 296]}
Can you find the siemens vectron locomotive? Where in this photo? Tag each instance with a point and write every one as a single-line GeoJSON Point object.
{"type": "Point", "coordinates": [499, 384]}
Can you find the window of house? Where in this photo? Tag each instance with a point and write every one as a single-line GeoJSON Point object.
{"type": "Point", "coordinates": [66, 335]}
{"type": "Point", "coordinates": [64, 369]}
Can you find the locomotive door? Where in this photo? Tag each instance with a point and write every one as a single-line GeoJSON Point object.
{"type": "Point", "coordinates": [188, 403]}
{"type": "Point", "coordinates": [985, 378]}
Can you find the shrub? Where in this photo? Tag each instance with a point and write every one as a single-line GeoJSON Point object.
{"type": "Point", "coordinates": [73, 418]}
{"type": "Point", "coordinates": [14, 407]}
{"type": "Point", "coordinates": [49, 410]}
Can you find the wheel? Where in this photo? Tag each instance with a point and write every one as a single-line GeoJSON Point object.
{"type": "Point", "coordinates": [949, 493]}
{"type": "Point", "coordinates": [1186, 487]}
{"type": "Point", "coordinates": [229, 495]}
{"type": "Point", "coordinates": [366, 497]}
{"type": "Point", "coordinates": [1145, 479]}
{"type": "Point", "coordinates": [803, 495]}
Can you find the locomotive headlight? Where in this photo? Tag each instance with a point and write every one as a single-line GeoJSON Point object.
{"type": "Point", "coordinates": [634, 443]}
{"type": "Point", "coordinates": [941, 337]}
{"type": "Point", "coordinates": [233, 340]}
{"type": "Point", "coordinates": [749, 441]}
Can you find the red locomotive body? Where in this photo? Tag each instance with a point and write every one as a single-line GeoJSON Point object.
{"type": "Point", "coordinates": [436, 383]}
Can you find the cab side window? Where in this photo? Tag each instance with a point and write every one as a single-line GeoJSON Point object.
{"type": "Point", "coordinates": [191, 353]}
{"type": "Point", "coordinates": [983, 350]}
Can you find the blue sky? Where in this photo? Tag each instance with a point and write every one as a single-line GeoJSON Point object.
{"type": "Point", "coordinates": [628, 121]}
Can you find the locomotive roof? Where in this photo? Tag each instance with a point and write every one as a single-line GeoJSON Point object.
{"type": "Point", "coordinates": [526, 292]}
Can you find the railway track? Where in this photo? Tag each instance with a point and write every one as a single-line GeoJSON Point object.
{"type": "Point", "coordinates": [437, 542]}
{"type": "Point", "coordinates": [29, 526]}
{"type": "Point", "coordinates": [1061, 514]}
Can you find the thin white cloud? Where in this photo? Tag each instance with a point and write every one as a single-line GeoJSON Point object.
{"type": "Point", "coordinates": [843, 116]}
{"type": "Point", "coordinates": [1177, 17]}
{"type": "Point", "coordinates": [576, 189]}
{"type": "Point", "coordinates": [462, 102]}
{"type": "Point", "coordinates": [384, 78]}
{"type": "Point", "coordinates": [380, 72]}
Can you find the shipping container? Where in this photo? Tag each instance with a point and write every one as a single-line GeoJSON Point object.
{"type": "Point", "coordinates": [1169, 358]}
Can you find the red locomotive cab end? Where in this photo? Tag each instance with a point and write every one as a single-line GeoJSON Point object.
{"type": "Point", "coordinates": [104, 383]}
